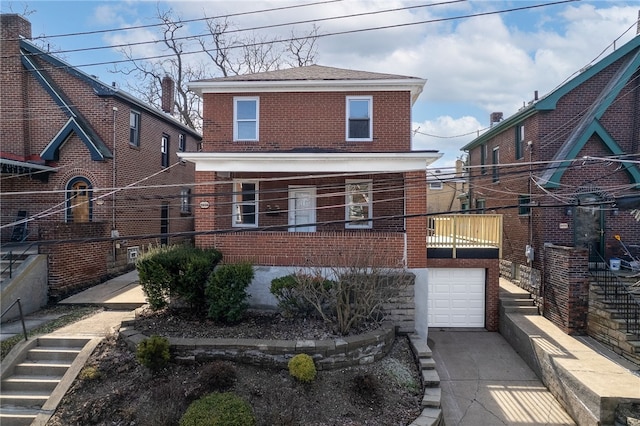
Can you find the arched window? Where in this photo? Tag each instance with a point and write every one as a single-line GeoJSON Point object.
{"type": "Point", "coordinates": [79, 205]}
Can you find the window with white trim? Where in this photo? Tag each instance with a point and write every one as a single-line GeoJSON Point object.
{"type": "Point", "coordinates": [359, 121]}
{"type": "Point", "coordinates": [245, 203]}
{"type": "Point", "coordinates": [435, 184]}
{"type": "Point", "coordinates": [185, 201]}
{"type": "Point", "coordinates": [182, 142]}
{"type": "Point", "coordinates": [358, 204]}
{"type": "Point", "coordinates": [134, 128]}
{"type": "Point", "coordinates": [164, 151]}
{"type": "Point", "coordinates": [246, 114]}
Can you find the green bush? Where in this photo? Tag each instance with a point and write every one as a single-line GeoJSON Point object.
{"type": "Point", "coordinates": [219, 409]}
{"type": "Point", "coordinates": [178, 271]}
{"type": "Point", "coordinates": [153, 353]}
{"type": "Point", "coordinates": [302, 368]}
{"type": "Point", "coordinates": [290, 301]}
{"type": "Point", "coordinates": [226, 292]}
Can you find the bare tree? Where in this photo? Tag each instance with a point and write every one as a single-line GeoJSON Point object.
{"type": "Point", "coordinates": [229, 55]}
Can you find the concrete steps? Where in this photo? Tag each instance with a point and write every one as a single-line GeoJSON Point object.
{"type": "Point", "coordinates": [34, 375]}
{"type": "Point", "coordinates": [517, 302]}
{"type": "Point", "coordinates": [431, 414]}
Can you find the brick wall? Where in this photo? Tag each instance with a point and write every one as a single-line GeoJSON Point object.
{"type": "Point", "coordinates": [566, 288]}
{"type": "Point", "coordinates": [492, 284]}
{"type": "Point", "coordinates": [309, 120]}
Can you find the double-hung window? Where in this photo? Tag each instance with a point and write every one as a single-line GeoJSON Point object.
{"type": "Point", "coordinates": [164, 150]}
{"type": "Point", "coordinates": [483, 159]}
{"type": "Point", "coordinates": [134, 128]}
{"type": "Point", "coordinates": [245, 203]}
{"type": "Point", "coordinates": [246, 115]}
{"type": "Point", "coordinates": [182, 142]}
{"type": "Point", "coordinates": [359, 118]}
{"type": "Point", "coordinates": [358, 204]}
{"type": "Point", "coordinates": [524, 205]}
{"type": "Point", "coordinates": [185, 201]}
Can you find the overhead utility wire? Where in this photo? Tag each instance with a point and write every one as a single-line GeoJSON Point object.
{"type": "Point", "coordinates": [430, 21]}
{"type": "Point", "coordinates": [262, 27]}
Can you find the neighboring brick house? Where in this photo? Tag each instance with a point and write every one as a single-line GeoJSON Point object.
{"type": "Point", "coordinates": [311, 166]}
{"type": "Point", "coordinates": [446, 190]}
{"type": "Point", "coordinates": [73, 152]}
{"type": "Point", "coordinates": [556, 169]}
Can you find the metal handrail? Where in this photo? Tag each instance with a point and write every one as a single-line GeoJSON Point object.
{"type": "Point", "coordinates": [617, 292]}
{"type": "Point", "coordinates": [24, 327]}
{"type": "Point", "coordinates": [12, 258]}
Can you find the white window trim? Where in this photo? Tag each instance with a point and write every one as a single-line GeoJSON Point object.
{"type": "Point", "coordinates": [346, 134]}
{"type": "Point", "coordinates": [361, 225]}
{"type": "Point", "coordinates": [436, 185]}
{"type": "Point", "coordinates": [235, 117]}
{"type": "Point", "coordinates": [237, 201]}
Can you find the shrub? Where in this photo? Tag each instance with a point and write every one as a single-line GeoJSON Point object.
{"type": "Point", "coordinates": [179, 271]}
{"type": "Point", "coordinates": [302, 368]}
{"type": "Point", "coordinates": [287, 292]}
{"type": "Point", "coordinates": [89, 373]}
{"type": "Point", "coordinates": [219, 409]}
{"type": "Point", "coordinates": [226, 292]}
{"type": "Point", "coordinates": [153, 353]}
{"type": "Point", "coordinates": [218, 376]}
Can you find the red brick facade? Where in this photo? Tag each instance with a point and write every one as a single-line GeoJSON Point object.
{"type": "Point", "coordinates": [551, 125]}
{"type": "Point", "coordinates": [33, 121]}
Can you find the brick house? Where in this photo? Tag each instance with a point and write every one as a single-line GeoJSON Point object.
{"type": "Point", "coordinates": [446, 190]}
{"type": "Point", "coordinates": [311, 166]}
{"type": "Point", "coordinates": [556, 169]}
{"type": "Point", "coordinates": [89, 173]}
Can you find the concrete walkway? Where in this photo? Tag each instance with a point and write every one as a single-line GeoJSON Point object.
{"type": "Point", "coordinates": [485, 382]}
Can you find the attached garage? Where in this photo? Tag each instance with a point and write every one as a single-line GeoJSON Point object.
{"type": "Point", "coordinates": [456, 297]}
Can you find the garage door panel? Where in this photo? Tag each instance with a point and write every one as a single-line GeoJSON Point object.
{"type": "Point", "coordinates": [456, 297]}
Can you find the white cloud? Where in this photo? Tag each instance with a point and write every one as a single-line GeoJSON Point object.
{"type": "Point", "coordinates": [445, 134]}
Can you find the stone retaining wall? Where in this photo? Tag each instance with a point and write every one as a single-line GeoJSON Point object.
{"type": "Point", "coordinates": [328, 354]}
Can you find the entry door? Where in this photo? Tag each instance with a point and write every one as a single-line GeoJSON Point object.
{"type": "Point", "coordinates": [80, 202]}
{"type": "Point", "coordinates": [589, 225]}
{"type": "Point", "coordinates": [302, 208]}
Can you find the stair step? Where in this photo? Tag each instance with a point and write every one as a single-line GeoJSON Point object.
{"type": "Point", "coordinates": [52, 353]}
{"type": "Point", "coordinates": [41, 368]}
{"type": "Point", "coordinates": [62, 342]}
{"type": "Point", "coordinates": [17, 416]}
{"type": "Point", "coordinates": [30, 383]}
{"type": "Point", "coordinates": [525, 310]}
{"type": "Point", "coordinates": [427, 364]}
{"type": "Point", "coordinates": [430, 378]}
{"type": "Point", "coordinates": [516, 302]}
{"type": "Point", "coordinates": [24, 399]}
{"type": "Point", "coordinates": [432, 397]}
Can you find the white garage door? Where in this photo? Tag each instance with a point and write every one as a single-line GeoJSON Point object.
{"type": "Point", "coordinates": [456, 297]}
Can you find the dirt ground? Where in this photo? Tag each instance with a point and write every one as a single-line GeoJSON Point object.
{"type": "Point", "coordinates": [386, 392]}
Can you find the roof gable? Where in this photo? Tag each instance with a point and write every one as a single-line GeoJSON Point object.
{"type": "Point", "coordinates": [52, 150]}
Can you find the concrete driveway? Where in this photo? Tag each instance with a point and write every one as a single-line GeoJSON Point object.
{"type": "Point", "coordinates": [485, 382]}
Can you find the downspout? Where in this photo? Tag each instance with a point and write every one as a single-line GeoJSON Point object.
{"type": "Point", "coordinates": [113, 184]}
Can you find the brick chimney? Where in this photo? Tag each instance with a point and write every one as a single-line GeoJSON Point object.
{"type": "Point", "coordinates": [13, 26]}
{"type": "Point", "coordinates": [168, 93]}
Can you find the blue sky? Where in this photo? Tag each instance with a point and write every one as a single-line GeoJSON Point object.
{"type": "Point", "coordinates": [473, 66]}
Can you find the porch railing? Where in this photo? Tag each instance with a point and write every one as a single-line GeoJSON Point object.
{"type": "Point", "coordinates": [459, 231]}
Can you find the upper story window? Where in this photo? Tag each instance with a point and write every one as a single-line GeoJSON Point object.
{"type": "Point", "coordinates": [495, 161]}
{"type": "Point", "coordinates": [435, 185]}
{"type": "Point", "coordinates": [246, 115]}
{"type": "Point", "coordinates": [359, 122]}
{"type": "Point", "coordinates": [483, 159]}
{"type": "Point", "coordinates": [481, 205]}
{"type": "Point", "coordinates": [79, 204]}
{"type": "Point", "coordinates": [182, 142]}
{"type": "Point", "coordinates": [358, 204]}
{"type": "Point", "coordinates": [519, 141]}
{"type": "Point", "coordinates": [164, 150]}
{"type": "Point", "coordinates": [245, 203]}
{"type": "Point", "coordinates": [134, 128]}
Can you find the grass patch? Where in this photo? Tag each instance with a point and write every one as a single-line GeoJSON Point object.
{"type": "Point", "coordinates": [74, 314]}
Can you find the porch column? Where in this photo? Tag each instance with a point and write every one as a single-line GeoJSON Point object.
{"type": "Point", "coordinates": [416, 204]}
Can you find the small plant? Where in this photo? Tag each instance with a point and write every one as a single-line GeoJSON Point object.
{"type": "Point", "coordinates": [153, 353]}
{"type": "Point", "coordinates": [89, 373]}
{"type": "Point", "coordinates": [219, 409]}
{"type": "Point", "coordinates": [227, 292]}
{"type": "Point", "coordinates": [302, 368]}
{"type": "Point", "coordinates": [218, 376]}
